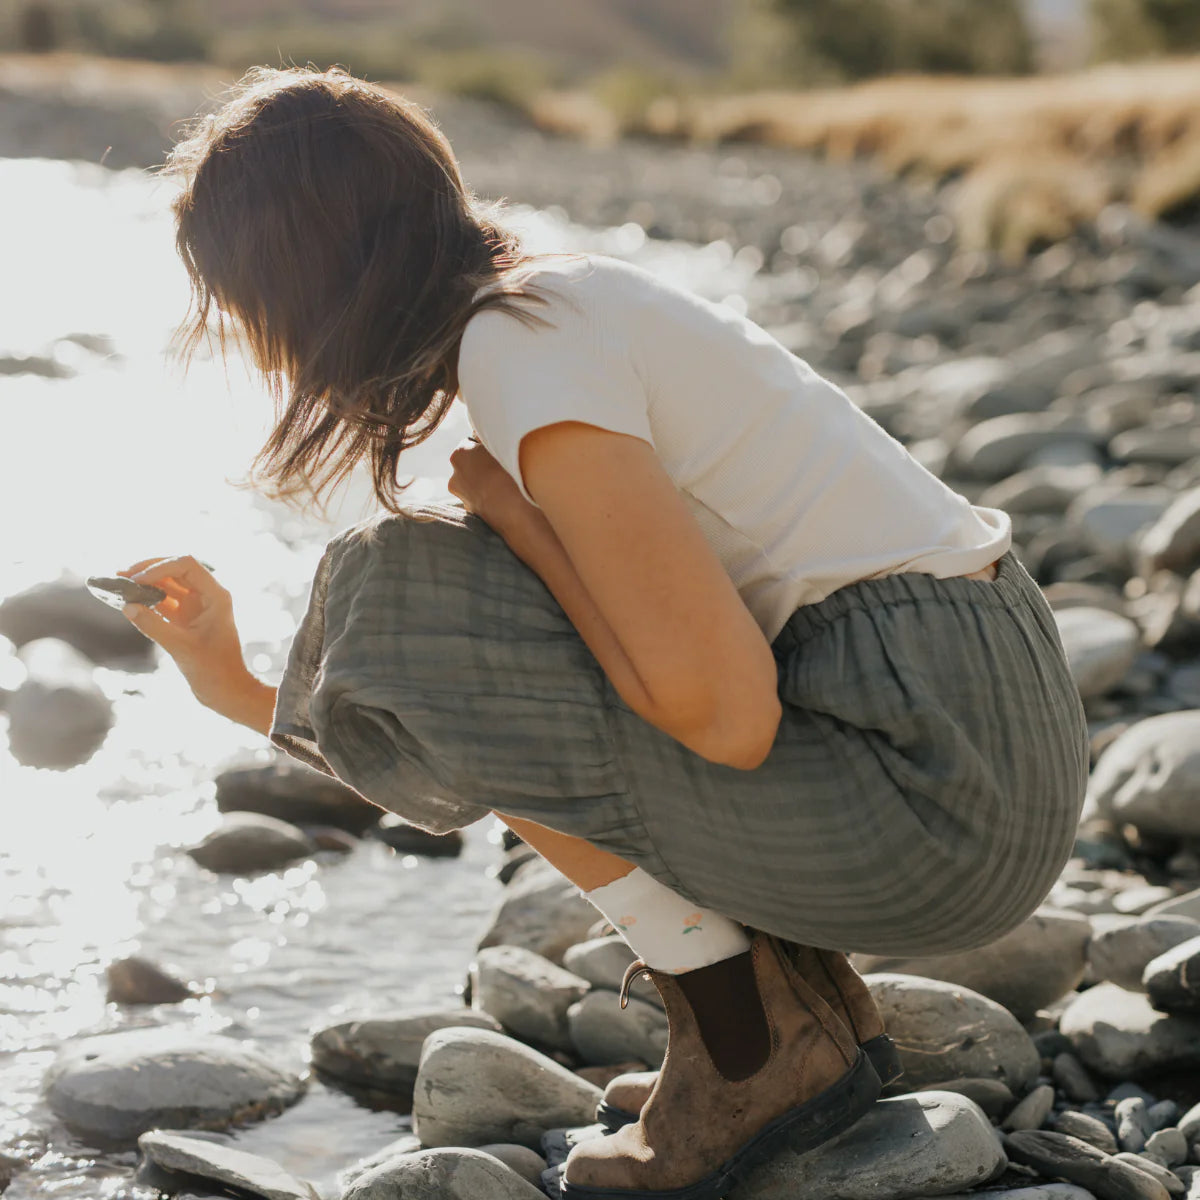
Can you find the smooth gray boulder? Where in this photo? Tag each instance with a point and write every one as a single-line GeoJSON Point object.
{"type": "Point", "coordinates": [1150, 776]}
{"type": "Point", "coordinates": [443, 1174]}
{"type": "Point", "coordinates": [406, 838]}
{"type": "Point", "coordinates": [1086, 1128]}
{"type": "Point", "coordinates": [475, 1087]}
{"type": "Point", "coordinates": [1122, 950]}
{"type": "Point", "coordinates": [136, 980]}
{"type": "Point", "coordinates": [1100, 646]}
{"type": "Point", "coordinates": [383, 1052]}
{"type": "Point", "coordinates": [1173, 541]}
{"type": "Point", "coordinates": [602, 962]}
{"type": "Point", "coordinates": [526, 993]}
{"type": "Point", "coordinates": [119, 1085]}
{"type": "Point", "coordinates": [1055, 1155]}
{"type": "Point", "coordinates": [287, 789]}
{"type": "Point", "coordinates": [1120, 1036]}
{"type": "Point", "coordinates": [57, 716]}
{"type": "Point", "coordinates": [541, 911]}
{"type": "Point", "coordinates": [527, 1163]}
{"type": "Point", "coordinates": [225, 1165]}
{"type": "Point", "coordinates": [925, 1144]}
{"type": "Point", "coordinates": [406, 1143]}
{"type": "Point", "coordinates": [603, 1033]}
{"type": "Point", "coordinates": [945, 1031]}
{"type": "Point", "coordinates": [1172, 980]}
{"type": "Point", "coordinates": [247, 842]}
{"type": "Point", "coordinates": [1026, 970]}
{"type": "Point", "coordinates": [1110, 517]}
{"type": "Point", "coordinates": [68, 611]}
{"type": "Point", "coordinates": [1001, 446]}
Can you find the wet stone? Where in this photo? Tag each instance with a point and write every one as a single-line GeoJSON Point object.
{"type": "Point", "coordinates": [247, 843]}
{"type": "Point", "coordinates": [137, 980]}
{"type": "Point", "coordinates": [290, 791]}
{"type": "Point", "coordinates": [225, 1165]}
{"type": "Point", "coordinates": [407, 838]}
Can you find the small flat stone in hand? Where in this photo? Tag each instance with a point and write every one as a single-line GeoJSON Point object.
{"type": "Point", "coordinates": [116, 591]}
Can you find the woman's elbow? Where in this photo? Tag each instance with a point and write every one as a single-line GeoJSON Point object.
{"type": "Point", "coordinates": [743, 737]}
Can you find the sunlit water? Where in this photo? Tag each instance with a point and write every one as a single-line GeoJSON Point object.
{"type": "Point", "coordinates": [125, 459]}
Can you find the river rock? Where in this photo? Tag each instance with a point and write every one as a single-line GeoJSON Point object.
{"type": "Point", "coordinates": [1032, 1111]}
{"type": "Point", "coordinates": [443, 1174]}
{"type": "Point", "coordinates": [406, 1143]}
{"type": "Point", "coordinates": [1026, 970]}
{"type": "Point", "coordinates": [474, 1087]}
{"type": "Point", "coordinates": [1120, 1036]}
{"type": "Point", "coordinates": [1173, 541]}
{"type": "Point", "coordinates": [1072, 1078]}
{"type": "Point", "coordinates": [1111, 517]}
{"type": "Point", "coordinates": [1170, 1145]}
{"type": "Point", "coordinates": [406, 838]}
{"type": "Point", "coordinates": [945, 1031]}
{"type": "Point", "coordinates": [994, 1097]}
{"type": "Point", "coordinates": [137, 980]}
{"type": "Point", "coordinates": [603, 961]}
{"type": "Point", "coordinates": [118, 1085]}
{"type": "Point", "coordinates": [541, 911]}
{"type": "Point", "coordinates": [1100, 646]}
{"type": "Point", "coordinates": [57, 717]}
{"type": "Point", "coordinates": [1044, 489]}
{"type": "Point", "coordinates": [602, 1032]}
{"type": "Point", "coordinates": [1187, 905]}
{"type": "Point", "coordinates": [1121, 952]}
{"type": "Point", "coordinates": [1086, 1128]}
{"type": "Point", "coordinates": [526, 993]}
{"type": "Point", "coordinates": [1150, 776]}
{"type": "Point", "coordinates": [291, 791]}
{"type": "Point", "coordinates": [383, 1052]}
{"type": "Point", "coordinates": [1057, 1156]}
{"type": "Point", "coordinates": [1000, 447]}
{"type": "Point", "coordinates": [1139, 1162]}
{"type": "Point", "coordinates": [69, 612]}
{"type": "Point", "coordinates": [225, 1165]}
{"type": "Point", "coordinates": [1045, 1191]}
{"type": "Point", "coordinates": [246, 842]}
{"type": "Point", "coordinates": [527, 1163]}
{"type": "Point", "coordinates": [917, 1145]}
{"type": "Point", "coordinates": [1173, 979]}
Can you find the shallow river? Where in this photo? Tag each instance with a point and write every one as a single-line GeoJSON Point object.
{"type": "Point", "coordinates": [121, 458]}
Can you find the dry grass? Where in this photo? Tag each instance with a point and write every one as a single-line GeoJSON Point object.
{"type": "Point", "coordinates": [1037, 156]}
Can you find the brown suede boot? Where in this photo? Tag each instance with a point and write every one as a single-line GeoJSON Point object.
{"type": "Point", "coordinates": [831, 976]}
{"type": "Point", "coordinates": [700, 1131]}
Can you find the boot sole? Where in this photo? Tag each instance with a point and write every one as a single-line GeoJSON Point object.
{"type": "Point", "coordinates": [799, 1129]}
{"type": "Point", "coordinates": [880, 1050]}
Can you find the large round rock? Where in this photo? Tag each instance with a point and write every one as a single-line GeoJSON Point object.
{"type": "Point", "coordinates": [1024, 971]}
{"type": "Point", "coordinates": [1100, 646]}
{"type": "Point", "coordinates": [248, 842]}
{"type": "Point", "coordinates": [293, 792]}
{"type": "Point", "coordinates": [526, 993]}
{"type": "Point", "coordinates": [1150, 776]}
{"type": "Point", "coordinates": [70, 612]}
{"type": "Point", "coordinates": [118, 1085]}
{"type": "Point", "coordinates": [944, 1031]}
{"type": "Point", "coordinates": [1173, 979]}
{"type": "Point", "coordinates": [542, 911]}
{"type": "Point", "coordinates": [1121, 952]}
{"type": "Point", "coordinates": [475, 1087]}
{"type": "Point", "coordinates": [604, 1033]}
{"type": "Point", "coordinates": [444, 1174]}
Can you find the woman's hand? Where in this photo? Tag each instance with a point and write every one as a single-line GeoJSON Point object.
{"type": "Point", "coordinates": [486, 488]}
{"type": "Point", "coordinates": [195, 626]}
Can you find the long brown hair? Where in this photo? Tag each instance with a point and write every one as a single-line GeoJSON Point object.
{"type": "Point", "coordinates": [327, 223]}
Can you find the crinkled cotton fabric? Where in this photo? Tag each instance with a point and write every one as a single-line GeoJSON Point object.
{"type": "Point", "coordinates": [921, 796]}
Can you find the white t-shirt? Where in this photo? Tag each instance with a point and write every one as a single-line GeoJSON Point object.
{"type": "Point", "coordinates": [796, 490]}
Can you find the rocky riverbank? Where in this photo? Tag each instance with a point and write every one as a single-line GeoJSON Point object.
{"type": "Point", "coordinates": [1062, 1061]}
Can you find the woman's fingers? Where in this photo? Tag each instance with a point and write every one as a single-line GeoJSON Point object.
{"type": "Point", "coordinates": [184, 570]}
{"type": "Point", "coordinates": [171, 637]}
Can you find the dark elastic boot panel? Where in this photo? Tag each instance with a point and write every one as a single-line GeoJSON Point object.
{"type": "Point", "coordinates": [729, 1012]}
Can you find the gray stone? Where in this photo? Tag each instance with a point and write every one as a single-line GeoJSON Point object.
{"type": "Point", "coordinates": [406, 838]}
{"type": "Point", "coordinates": [1024, 971]}
{"type": "Point", "coordinates": [541, 911]}
{"type": "Point", "coordinates": [526, 993]}
{"type": "Point", "coordinates": [442, 1174]}
{"type": "Point", "coordinates": [602, 1032]}
{"type": "Point", "coordinates": [1186, 905]}
{"type": "Point", "coordinates": [137, 980]}
{"type": "Point", "coordinates": [1072, 1077]}
{"type": "Point", "coordinates": [69, 612]}
{"type": "Point", "coordinates": [1045, 489]}
{"type": "Point", "coordinates": [384, 1052]}
{"type": "Point", "coordinates": [1133, 1124]}
{"type": "Point", "coordinates": [527, 1163]}
{"type": "Point", "coordinates": [602, 962]}
{"type": "Point", "coordinates": [57, 717]}
{"type": "Point", "coordinates": [1163, 1115]}
{"type": "Point", "coordinates": [1118, 1035]}
{"type": "Point", "coordinates": [925, 1144]}
{"type": "Point", "coordinates": [1000, 447]}
{"type": "Point", "coordinates": [407, 1143]}
{"type": "Point", "coordinates": [1056, 1156]}
{"type": "Point", "coordinates": [224, 1164]}
{"type": "Point", "coordinates": [1173, 541]}
{"type": "Point", "coordinates": [1100, 646]}
{"type": "Point", "coordinates": [1139, 1162]}
{"type": "Point", "coordinates": [1086, 1128]}
{"type": "Point", "coordinates": [1172, 980]}
{"type": "Point", "coordinates": [944, 1031]}
{"type": "Point", "coordinates": [291, 791]}
{"type": "Point", "coordinates": [1150, 776]}
{"type": "Point", "coordinates": [994, 1097]}
{"type": "Point", "coordinates": [1135, 901]}
{"type": "Point", "coordinates": [475, 1087]}
{"type": "Point", "coordinates": [118, 1085]}
{"type": "Point", "coordinates": [1168, 1144]}
{"type": "Point", "coordinates": [247, 842]}
{"type": "Point", "coordinates": [1032, 1111]}
{"type": "Point", "coordinates": [1111, 517]}
{"type": "Point", "coordinates": [1189, 1124]}
{"type": "Point", "coordinates": [1045, 1191]}
{"type": "Point", "coordinates": [1121, 952]}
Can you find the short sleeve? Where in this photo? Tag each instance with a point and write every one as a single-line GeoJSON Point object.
{"type": "Point", "coordinates": [574, 362]}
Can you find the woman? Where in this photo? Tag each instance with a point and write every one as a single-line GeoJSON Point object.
{"type": "Point", "coordinates": [701, 633]}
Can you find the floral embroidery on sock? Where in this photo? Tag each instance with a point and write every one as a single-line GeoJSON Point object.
{"type": "Point", "coordinates": [693, 923]}
{"type": "Point", "coordinates": [623, 923]}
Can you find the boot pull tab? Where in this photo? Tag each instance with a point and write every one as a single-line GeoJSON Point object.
{"type": "Point", "coordinates": [634, 971]}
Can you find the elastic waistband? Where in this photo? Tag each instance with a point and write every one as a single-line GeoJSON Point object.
{"type": "Point", "coordinates": [1009, 588]}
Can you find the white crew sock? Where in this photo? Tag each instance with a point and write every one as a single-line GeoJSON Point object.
{"type": "Point", "coordinates": [666, 931]}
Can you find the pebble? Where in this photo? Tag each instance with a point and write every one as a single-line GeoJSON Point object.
{"type": "Point", "coordinates": [291, 791]}
{"type": "Point", "coordinates": [1168, 1144]}
{"type": "Point", "coordinates": [246, 843]}
{"type": "Point", "coordinates": [527, 1163]}
{"type": "Point", "coordinates": [1086, 1128]}
{"type": "Point", "coordinates": [541, 911]}
{"type": "Point", "coordinates": [1057, 1156]}
{"type": "Point", "coordinates": [442, 1174]}
{"type": "Point", "coordinates": [1140, 1162]}
{"type": "Point", "coordinates": [1119, 1035]}
{"type": "Point", "coordinates": [994, 1097]}
{"type": "Point", "coordinates": [1163, 1115]}
{"type": "Point", "coordinates": [1186, 905]}
{"type": "Point", "coordinates": [383, 1053]}
{"type": "Point", "coordinates": [407, 1143]}
{"type": "Point", "coordinates": [474, 1087]}
{"type": "Point", "coordinates": [1032, 1111]}
{"type": "Point", "coordinates": [118, 1085]}
{"type": "Point", "coordinates": [1072, 1077]}
{"type": "Point", "coordinates": [1189, 1124]}
{"type": "Point", "coordinates": [602, 1032]}
{"type": "Point", "coordinates": [1045, 1191]}
{"type": "Point", "coordinates": [1133, 1124]}
{"type": "Point", "coordinates": [1121, 952]}
{"type": "Point", "coordinates": [406, 838]}
{"type": "Point", "coordinates": [1172, 980]}
{"type": "Point", "coordinates": [224, 1165]}
{"type": "Point", "coordinates": [1101, 647]}
{"type": "Point", "coordinates": [526, 993]}
{"type": "Point", "coordinates": [1173, 541]}
{"type": "Point", "coordinates": [137, 980]}
{"type": "Point", "coordinates": [944, 1031]}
